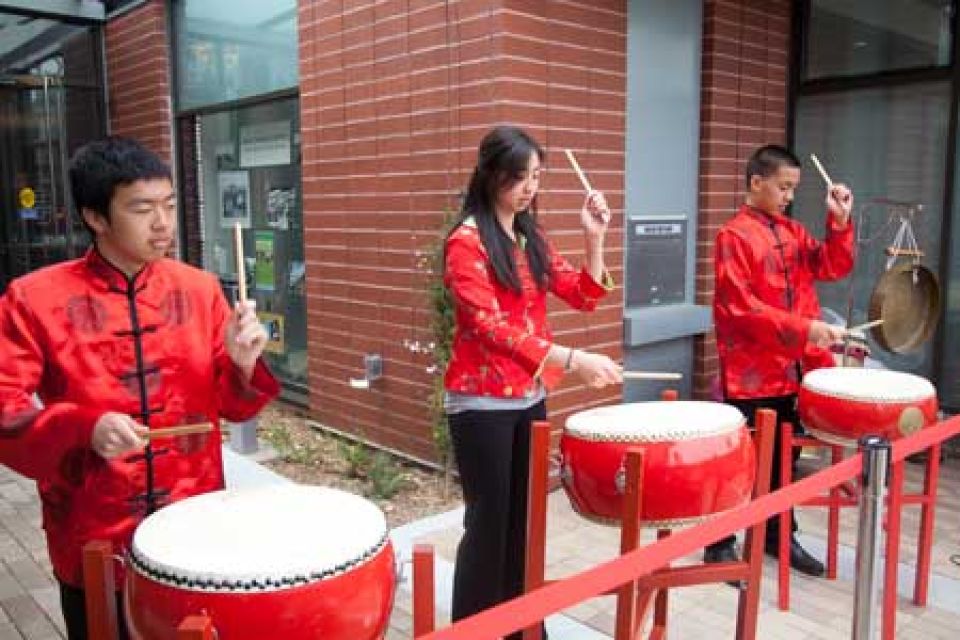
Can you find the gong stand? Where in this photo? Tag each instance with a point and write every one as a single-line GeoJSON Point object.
{"type": "Point", "coordinates": [897, 210]}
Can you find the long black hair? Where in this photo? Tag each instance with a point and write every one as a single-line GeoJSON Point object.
{"type": "Point", "coordinates": [502, 160]}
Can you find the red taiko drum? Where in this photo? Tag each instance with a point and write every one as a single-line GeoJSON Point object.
{"type": "Point", "coordinates": [842, 404]}
{"type": "Point", "coordinates": [285, 561]}
{"type": "Point", "coordinates": [699, 460]}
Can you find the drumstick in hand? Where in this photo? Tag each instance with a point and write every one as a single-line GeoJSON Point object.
{"type": "Point", "coordinates": [181, 430]}
{"type": "Point", "coordinates": [865, 326]}
{"type": "Point", "coordinates": [576, 167]}
{"type": "Point", "coordinates": [651, 375]}
{"type": "Point", "coordinates": [241, 267]}
{"type": "Point", "coordinates": [823, 172]}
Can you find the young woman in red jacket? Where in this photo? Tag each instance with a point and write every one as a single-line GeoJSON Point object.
{"type": "Point", "coordinates": [499, 267]}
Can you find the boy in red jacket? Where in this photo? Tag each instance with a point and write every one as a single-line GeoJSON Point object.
{"type": "Point", "coordinates": [765, 309]}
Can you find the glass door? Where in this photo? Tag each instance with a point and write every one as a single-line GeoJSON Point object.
{"type": "Point", "coordinates": [36, 227]}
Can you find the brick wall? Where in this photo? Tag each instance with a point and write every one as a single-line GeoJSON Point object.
{"type": "Point", "coordinates": [395, 97]}
{"type": "Point", "coordinates": [138, 76]}
{"type": "Point", "coordinates": [746, 48]}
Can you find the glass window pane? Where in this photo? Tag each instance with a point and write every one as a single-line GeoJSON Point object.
{"type": "Point", "coordinates": [887, 142]}
{"type": "Point", "coordinates": [851, 37]}
{"type": "Point", "coordinates": [231, 49]}
{"type": "Point", "coordinates": [250, 173]}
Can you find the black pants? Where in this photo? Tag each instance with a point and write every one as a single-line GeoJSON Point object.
{"type": "Point", "coordinates": [73, 604]}
{"type": "Point", "coordinates": [786, 408]}
{"type": "Point", "coordinates": [492, 449]}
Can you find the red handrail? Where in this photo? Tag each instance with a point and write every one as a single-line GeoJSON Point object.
{"type": "Point", "coordinates": [557, 596]}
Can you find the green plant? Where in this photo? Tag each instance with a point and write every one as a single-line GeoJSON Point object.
{"type": "Point", "coordinates": [288, 449]}
{"type": "Point", "coordinates": [385, 476]}
{"type": "Point", "coordinates": [357, 456]}
{"type": "Point", "coordinates": [442, 322]}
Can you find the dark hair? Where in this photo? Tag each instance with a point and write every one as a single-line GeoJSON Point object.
{"type": "Point", "coordinates": [98, 168]}
{"type": "Point", "coordinates": [767, 160]}
{"type": "Point", "coordinates": [502, 159]}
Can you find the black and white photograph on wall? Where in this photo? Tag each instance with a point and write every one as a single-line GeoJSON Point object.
{"type": "Point", "coordinates": [280, 202]}
{"type": "Point", "coordinates": [234, 198]}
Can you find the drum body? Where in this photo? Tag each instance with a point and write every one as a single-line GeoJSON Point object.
{"type": "Point", "coordinates": [842, 404]}
{"type": "Point", "coordinates": [290, 562]}
{"type": "Point", "coordinates": [699, 460]}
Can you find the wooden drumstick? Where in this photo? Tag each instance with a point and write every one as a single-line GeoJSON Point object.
{"type": "Point", "coordinates": [180, 430]}
{"type": "Point", "coordinates": [651, 375]}
{"type": "Point", "coordinates": [241, 267]}
{"type": "Point", "coordinates": [865, 325]}
{"type": "Point", "coordinates": [578, 171]}
{"type": "Point", "coordinates": [823, 172]}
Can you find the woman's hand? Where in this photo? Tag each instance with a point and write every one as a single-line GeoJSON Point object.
{"type": "Point", "coordinates": [595, 369]}
{"type": "Point", "coordinates": [595, 215]}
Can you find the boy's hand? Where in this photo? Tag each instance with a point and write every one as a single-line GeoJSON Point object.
{"type": "Point", "coordinates": [823, 335]}
{"type": "Point", "coordinates": [245, 337]}
{"type": "Point", "coordinates": [116, 434]}
{"type": "Point", "coordinates": [840, 203]}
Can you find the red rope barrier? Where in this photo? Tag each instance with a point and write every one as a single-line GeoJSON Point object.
{"type": "Point", "coordinates": [924, 439]}
{"type": "Point", "coordinates": [537, 605]}
{"type": "Point", "coordinates": [557, 596]}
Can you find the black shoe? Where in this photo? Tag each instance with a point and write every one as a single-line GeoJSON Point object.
{"type": "Point", "coordinates": [799, 558]}
{"type": "Point", "coordinates": [723, 553]}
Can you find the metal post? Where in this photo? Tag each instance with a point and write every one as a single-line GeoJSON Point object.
{"type": "Point", "coordinates": [876, 463]}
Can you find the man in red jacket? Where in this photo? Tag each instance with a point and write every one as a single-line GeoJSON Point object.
{"type": "Point", "coordinates": [766, 312]}
{"type": "Point", "coordinates": [118, 342]}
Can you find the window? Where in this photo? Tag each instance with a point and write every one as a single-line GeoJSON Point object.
{"type": "Point", "coordinates": [249, 162]}
{"type": "Point", "coordinates": [232, 49]}
{"type": "Point", "coordinates": [856, 37]}
{"type": "Point", "coordinates": [885, 142]}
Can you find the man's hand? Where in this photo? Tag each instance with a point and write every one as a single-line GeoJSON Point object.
{"type": "Point", "coordinates": [823, 335]}
{"type": "Point", "coordinates": [116, 434]}
{"type": "Point", "coordinates": [840, 203]}
{"type": "Point", "coordinates": [245, 337]}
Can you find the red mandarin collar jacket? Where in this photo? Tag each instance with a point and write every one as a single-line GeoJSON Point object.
{"type": "Point", "coordinates": [86, 340]}
{"type": "Point", "coordinates": [501, 337]}
{"type": "Point", "coordinates": [765, 299]}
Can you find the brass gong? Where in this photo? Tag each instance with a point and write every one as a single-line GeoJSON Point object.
{"type": "Point", "coordinates": [907, 298]}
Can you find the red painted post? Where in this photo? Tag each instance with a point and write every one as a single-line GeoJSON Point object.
{"type": "Point", "coordinates": [196, 628]}
{"type": "Point", "coordinates": [100, 589]}
{"type": "Point", "coordinates": [892, 559]}
{"type": "Point", "coordinates": [925, 535]}
{"type": "Point", "coordinates": [424, 608]}
{"type": "Point", "coordinates": [748, 606]}
{"type": "Point", "coordinates": [783, 542]}
{"type": "Point", "coordinates": [534, 569]}
{"type": "Point", "coordinates": [833, 518]}
{"type": "Point", "coordinates": [627, 623]}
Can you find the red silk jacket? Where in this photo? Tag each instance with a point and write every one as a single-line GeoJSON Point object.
{"type": "Point", "coordinates": [86, 340]}
{"type": "Point", "coordinates": [765, 299]}
{"type": "Point", "coordinates": [501, 338]}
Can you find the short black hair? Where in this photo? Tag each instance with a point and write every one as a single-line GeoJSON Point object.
{"type": "Point", "coordinates": [768, 159]}
{"type": "Point", "coordinates": [99, 167]}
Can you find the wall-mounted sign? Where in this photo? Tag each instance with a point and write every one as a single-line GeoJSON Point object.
{"type": "Point", "coordinates": [265, 144]}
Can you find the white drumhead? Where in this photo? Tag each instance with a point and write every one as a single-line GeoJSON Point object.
{"type": "Point", "coordinates": [873, 385]}
{"type": "Point", "coordinates": [662, 421]}
{"type": "Point", "coordinates": [259, 536]}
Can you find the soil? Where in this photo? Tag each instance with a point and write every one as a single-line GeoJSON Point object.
{"type": "Point", "coordinates": [309, 455]}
